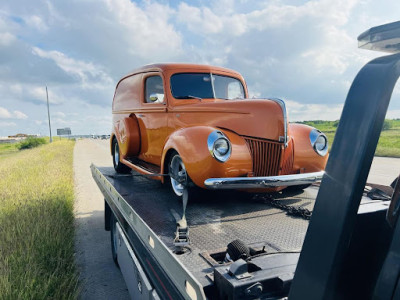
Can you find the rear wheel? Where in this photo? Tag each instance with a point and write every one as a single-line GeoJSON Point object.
{"type": "Point", "coordinates": [118, 166]}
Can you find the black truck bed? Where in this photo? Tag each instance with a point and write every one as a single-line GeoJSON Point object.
{"type": "Point", "coordinates": [216, 219]}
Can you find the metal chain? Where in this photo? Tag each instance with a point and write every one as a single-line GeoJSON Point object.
{"type": "Point", "coordinates": [297, 211]}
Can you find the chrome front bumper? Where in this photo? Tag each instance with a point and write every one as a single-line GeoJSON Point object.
{"type": "Point", "coordinates": [262, 182]}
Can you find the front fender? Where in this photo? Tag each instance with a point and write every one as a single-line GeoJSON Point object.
{"type": "Point", "coordinates": [191, 144]}
{"type": "Point", "coordinates": [306, 160]}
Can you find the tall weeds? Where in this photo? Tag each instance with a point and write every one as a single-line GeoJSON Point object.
{"type": "Point", "coordinates": [37, 224]}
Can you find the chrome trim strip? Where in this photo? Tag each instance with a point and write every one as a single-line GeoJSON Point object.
{"type": "Point", "coordinates": [285, 119]}
{"type": "Point", "coordinates": [262, 182]}
{"type": "Point", "coordinates": [212, 84]}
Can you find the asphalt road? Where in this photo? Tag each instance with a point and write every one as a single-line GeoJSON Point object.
{"type": "Point", "coordinates": [101, 279]}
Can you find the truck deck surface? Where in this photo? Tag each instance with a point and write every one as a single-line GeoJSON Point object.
{"type": "Point", "coordinates": [214, 220]}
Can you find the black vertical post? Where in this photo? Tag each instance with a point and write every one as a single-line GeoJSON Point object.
{"type": "Point", "coordinates": [335, 211]}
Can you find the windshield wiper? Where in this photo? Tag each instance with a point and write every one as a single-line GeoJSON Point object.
{"type": "Point", "coordinates": [188, 97]}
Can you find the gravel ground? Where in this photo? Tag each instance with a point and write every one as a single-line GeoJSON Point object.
{"type": "Point", "coordinates": [101, 279]}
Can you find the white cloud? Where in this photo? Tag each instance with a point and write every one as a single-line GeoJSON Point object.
{"type": "Point", "coordinates": [36, 22]}
{"type": "Point", "coordinates": [201, 20]}
{"type": "Point", "coordinates": [303, 112]}
{"type": "Point", "coordinates": [4, 113]}
{"type": "Point", "coordinates": [7, 124]}
{"type": "Point", "coordinates": [90, 75]}
{"type": "Point", "coordinates": [19, 115]}
{"type": "Point", "coordinates": [146, 32]}
{"type": "Point", "coordinates": [393, 114]}
{"type": "Point", "coordinates": [59, 114]}
{"type": "Point", "coordinates": [38, 94]}
{"type": "Point", "coordinates": [6, 38]}
{"type": "Point", "coordinates": [305, 51]}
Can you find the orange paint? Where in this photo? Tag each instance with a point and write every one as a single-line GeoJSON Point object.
{"type": "Point", "coordinates": [254, 127]}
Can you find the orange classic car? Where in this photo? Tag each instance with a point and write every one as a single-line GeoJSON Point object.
{"type": "Point", "coordinates": [194, 125]}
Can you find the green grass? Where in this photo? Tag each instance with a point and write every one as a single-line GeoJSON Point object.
{"type": "Point", "coordinates": [7, 149]}
{"type": "Point", "coordinates": [389, 141]}
{"type": "Point", "coordinates": [37, 224]}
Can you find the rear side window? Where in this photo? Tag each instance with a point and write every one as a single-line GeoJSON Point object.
{"type": "Point", "coordinates": [127, 94]}
{"type": "Point", "coordinates": [154, 90]}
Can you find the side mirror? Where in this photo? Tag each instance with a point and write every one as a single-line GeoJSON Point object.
{"type": "Point", "coordinates": [153, 97]}
{"type": "Point", "coordinates": [156, 98]}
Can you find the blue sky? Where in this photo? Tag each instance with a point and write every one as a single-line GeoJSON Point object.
{"type": "Point", "coordinates": [302, 51]}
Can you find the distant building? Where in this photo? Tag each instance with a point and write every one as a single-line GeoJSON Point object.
{"type": "Point", "coordinates": [22, 136]}
{"type": "Point", "coordinates": [18, 135]}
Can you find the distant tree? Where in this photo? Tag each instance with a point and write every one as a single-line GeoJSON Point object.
{"type": "Point", "coordinates": [387, 125]}
{"type": "Point", "coordinates": [335, 123]}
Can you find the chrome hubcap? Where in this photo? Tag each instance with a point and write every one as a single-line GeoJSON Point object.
{"type": "Point", "coordinates": [178, 175]}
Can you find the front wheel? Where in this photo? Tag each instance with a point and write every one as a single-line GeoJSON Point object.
{"type": "Point", "coordinates": [119, 167]}
{"type": "Point", "coordinates": [180, 180]}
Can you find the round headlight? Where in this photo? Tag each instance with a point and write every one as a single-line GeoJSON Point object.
{"type": "Point", "coordinates": [219, 146]}
{"type": "Point", "coordinates": [319, 142]}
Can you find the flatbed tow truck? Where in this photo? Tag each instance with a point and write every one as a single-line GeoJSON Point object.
{"type": "Point", "coordinates": [226, 246]}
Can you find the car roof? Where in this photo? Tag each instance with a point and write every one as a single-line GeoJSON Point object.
{"type": "Point", "coordinates": [175, 66]}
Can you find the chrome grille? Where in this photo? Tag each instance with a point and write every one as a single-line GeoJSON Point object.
{"type": "Point", "coordinates": [266, 156]}
{"type": "Point", "coordinates": [288, 159]}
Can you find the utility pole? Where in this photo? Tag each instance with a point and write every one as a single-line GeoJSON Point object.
{"type": "Point", "coordinates": [48, 113]}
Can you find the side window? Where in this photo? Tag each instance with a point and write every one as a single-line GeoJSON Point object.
{"type": "Point", "coordinates": [154, 90]}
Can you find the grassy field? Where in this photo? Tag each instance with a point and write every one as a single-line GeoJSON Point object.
{"type": "Point", "coordinates": [37, 223]}
{"type": "Point", "coordinates": [389, 141]}
{"type": "Point", "coordinates": [7, 149]}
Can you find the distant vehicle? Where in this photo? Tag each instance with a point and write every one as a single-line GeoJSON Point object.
{"type": "Point", "coordinates": [104, 137]}
{"type": "Point", "coordinates": [196, 124]}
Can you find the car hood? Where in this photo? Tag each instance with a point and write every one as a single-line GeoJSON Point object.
{"type": "Point", "coordinates": [259, 118]}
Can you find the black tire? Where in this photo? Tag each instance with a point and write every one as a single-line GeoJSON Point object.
{"type": "Point", "coordinates": [238, 249]}
{"type": "Point", "coordinates": [119, 167]}
{"type": "Point", "coordinates": [114, 239]}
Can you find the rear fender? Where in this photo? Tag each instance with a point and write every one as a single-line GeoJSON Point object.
{"type": "Point", "coordinates": [191, 145]}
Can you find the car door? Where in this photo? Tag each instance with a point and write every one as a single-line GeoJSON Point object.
{"type": "Point", "coordinates": [152, 118]}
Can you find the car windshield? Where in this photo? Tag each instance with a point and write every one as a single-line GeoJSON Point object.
{"type": "Point", "coordinates": [205, 85]}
